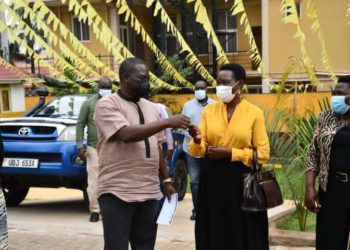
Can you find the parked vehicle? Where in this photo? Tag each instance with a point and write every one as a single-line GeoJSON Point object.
{"type": "Point", "coordinates": [40, 150]}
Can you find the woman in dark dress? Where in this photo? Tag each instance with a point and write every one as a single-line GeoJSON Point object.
{"type": "Point", "coordinates": [329, 160]}
{"type": "Point", "coordinates": [228, 131]}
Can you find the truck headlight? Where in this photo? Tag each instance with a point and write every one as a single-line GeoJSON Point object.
{"type": "Point", "coordinates": [68, 134]}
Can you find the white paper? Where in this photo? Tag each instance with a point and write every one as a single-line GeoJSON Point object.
{"type": "Point", "coordinates": [167, 213]}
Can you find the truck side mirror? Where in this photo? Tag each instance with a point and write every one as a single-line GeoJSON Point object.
{"type": "Point", "coordinates": [42, 91]}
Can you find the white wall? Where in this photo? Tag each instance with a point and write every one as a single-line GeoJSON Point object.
{"type": "Point", "coordinates": [17, 98]}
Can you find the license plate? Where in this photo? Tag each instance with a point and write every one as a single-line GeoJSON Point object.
{"type": "Point", "coordinates": [20, 163]}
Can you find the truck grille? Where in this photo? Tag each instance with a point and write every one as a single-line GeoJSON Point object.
{"type": "Point", "coordinates": [43, 157]}
{"type": "Point", "coordinates": [35, 130]}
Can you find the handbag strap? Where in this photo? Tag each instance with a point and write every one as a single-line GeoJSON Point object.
{"type": "Point", "coordinates": [255, 163]}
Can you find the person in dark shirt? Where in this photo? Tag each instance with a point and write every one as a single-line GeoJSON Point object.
{"type": "Point", "coordinates": [329, 160]}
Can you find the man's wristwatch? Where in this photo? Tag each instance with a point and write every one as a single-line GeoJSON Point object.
{"type": "Point", "coordinates": [168, 180]}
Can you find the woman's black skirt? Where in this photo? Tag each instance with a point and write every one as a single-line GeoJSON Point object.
{"type": "Point", "coordinates": [220, 222]}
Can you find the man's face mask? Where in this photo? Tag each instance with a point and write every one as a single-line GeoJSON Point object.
{"type": "Point", "coordinates": [105, 92]}
{"type": "Point", "coordinates": [143, 87]}
{"type": "Point", "coordinates": [338, 104]}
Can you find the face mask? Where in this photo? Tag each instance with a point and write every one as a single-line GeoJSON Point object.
{"type": "Point", "coordinates": [200, 94]}
{"type": "Point", "coordinates": [105, 92]}
{"type": "Point", "coordinates": [225, 93]}
{"type": "Point", "coordinates": [338, 105]}
{"type": "Point", "coordinates": [143, 87]}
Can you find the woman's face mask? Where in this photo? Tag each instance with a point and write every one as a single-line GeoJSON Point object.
{"type": "Point", "coordinates": [338, 104]}
{"type": "Point", "coordinates": [225, 94]}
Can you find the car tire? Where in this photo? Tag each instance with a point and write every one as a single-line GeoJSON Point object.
{"type": "Point", "coordinates": [14, 196]}
{"type": "Point", "coordinates": [180, 178]}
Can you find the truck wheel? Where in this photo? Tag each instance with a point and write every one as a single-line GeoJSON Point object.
{"type": "Point", "coordinates": [14, 195]}
{"type": "Point", "coordinates": [180, 178]}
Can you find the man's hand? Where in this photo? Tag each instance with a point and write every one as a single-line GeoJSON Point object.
{"type": "Point", "coordinates": [219, 152]}
{"type": "Point", "coordinates": [195, 133]}
{"type": "Point", "coordinates": [82, 153]}
{"type": "Point", "coordinates": [169, 154]}
{"type": "Point", "coordinates": [179, 121]}
{"type": "Point", "coordinates": [169, 190]}
{"type": "Point", "coordinates": [311, 200]}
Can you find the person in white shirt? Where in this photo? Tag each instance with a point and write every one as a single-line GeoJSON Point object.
{"type": "Point", "coordinates": [193, 109]}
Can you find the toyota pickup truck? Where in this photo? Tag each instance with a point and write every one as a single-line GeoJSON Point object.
{"type": "Point", "coordinates": [40, 150]}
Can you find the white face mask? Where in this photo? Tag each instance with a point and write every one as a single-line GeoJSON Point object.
{"type": "Point", "coordinates": [225, 93]}
{"type": "Point", "coordinates": [105, 92]}
{"type": "Point", "coordinates": [200, 94]}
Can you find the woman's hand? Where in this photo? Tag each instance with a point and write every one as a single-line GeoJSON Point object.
{"type": "Point", "coordinates": [311, 200]}
{"type": "Point", "coordinates": [219, 152]}
{"type": "Point", "coordinates": [195, 133]}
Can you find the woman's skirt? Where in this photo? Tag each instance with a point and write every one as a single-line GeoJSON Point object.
{"type": "Point", "coordinates": [220, 222]}
{"type": "Point", "coordinates": [3, 222]}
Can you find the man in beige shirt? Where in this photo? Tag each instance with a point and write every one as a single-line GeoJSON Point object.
{"type": "Point", "coordinates": [131, 161]}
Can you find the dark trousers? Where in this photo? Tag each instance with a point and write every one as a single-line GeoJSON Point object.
{"type": "Point", "coordinates": [333, 220]}
{"type": "Point", "coordinates": [125, 222]}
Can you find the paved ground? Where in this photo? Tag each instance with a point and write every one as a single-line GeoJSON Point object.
{"type": "Point", "coordinates": [57, 219]}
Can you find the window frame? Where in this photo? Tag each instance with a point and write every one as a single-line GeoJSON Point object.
{"type": "Point", "coordinates": [81, 30]}
{"type": "Point", "coordinates": [123, 27]}
{"type": "Point", "coordinates": [2, 100]}
{"type": "Point", "coordinates": [228, 31]}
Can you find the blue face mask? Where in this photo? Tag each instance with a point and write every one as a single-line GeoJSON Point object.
{"type": "Point", "coordinates": [338, 104]}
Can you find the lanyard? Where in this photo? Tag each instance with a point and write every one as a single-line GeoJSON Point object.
{"type": "Point", "coordinates": [142, 120]}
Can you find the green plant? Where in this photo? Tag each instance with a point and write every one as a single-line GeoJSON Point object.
{"type": "Point", "coordinates": [71, 85]}
{"type": "Point", "coordinates": [290, 136]}
{"type": "Point", "coordinates": [181, 66]}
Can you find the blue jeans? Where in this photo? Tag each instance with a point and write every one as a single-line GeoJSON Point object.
{"type": "Point", "coordinates": [194, 168]}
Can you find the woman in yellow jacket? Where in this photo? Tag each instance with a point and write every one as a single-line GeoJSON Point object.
{"type": "Point", "coordinates": [228, 131]}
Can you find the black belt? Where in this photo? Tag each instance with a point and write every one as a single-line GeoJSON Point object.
{"type": "Point", "coordinates": [342, 177]}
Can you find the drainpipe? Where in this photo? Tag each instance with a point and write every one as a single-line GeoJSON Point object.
{"type": "Point", "coordinates": [215, 25]}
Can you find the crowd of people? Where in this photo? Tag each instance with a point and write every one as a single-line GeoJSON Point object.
{"type": "Point", "coordinates": [126, 165]}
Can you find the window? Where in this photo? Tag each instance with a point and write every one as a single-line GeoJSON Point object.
{"type": "Point", "coordinates": [227, 31]}
{"type": "Point", "coordinates": [5, 100]}
{"type": "Point", "coordinates": [171, 41]}
{"type": "Point", "coordinates": [123, 31]}
{"type": "Point", "coordinates": [196, 37]}
{"type": "Point", "coordinates": [81, 29]}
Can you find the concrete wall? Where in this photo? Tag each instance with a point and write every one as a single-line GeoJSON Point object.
{"type": "Point", "coordinates": [282, 45]}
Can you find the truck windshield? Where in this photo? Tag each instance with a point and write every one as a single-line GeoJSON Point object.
{"type": "Point", "coordinates": [63, 107]}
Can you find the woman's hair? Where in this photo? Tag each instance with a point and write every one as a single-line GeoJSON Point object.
{"type": "Point", "coordinates": [345, 79]}
{"type": "Point", "coordinates": [237, 70]}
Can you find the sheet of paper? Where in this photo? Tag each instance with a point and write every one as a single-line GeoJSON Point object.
{"type": "Point", "coordinates": [167, 213]}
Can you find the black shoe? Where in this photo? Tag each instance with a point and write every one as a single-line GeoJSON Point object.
{"type": "Point", "coordinates": [94, 217]}
{"type": "Point", "coordinates": [193, 216]}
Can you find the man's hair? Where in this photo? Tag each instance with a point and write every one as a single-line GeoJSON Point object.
{"type": "Point", "coordinates": [345, 79]}
{"type": "Point", "coordinates": [104, 80]}
{"type": "Point", "coordinates": [127, 64]}
{"type": "Point", "coordinates": [237, 70]}
{"type": "Point", "coordinates": [201, 80]}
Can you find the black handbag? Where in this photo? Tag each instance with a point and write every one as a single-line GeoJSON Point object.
{"type": "Point", "coordinates": [261, 190]}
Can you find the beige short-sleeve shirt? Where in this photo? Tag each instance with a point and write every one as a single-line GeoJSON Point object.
{"type": "Point", "coordinates": [125, 171]}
